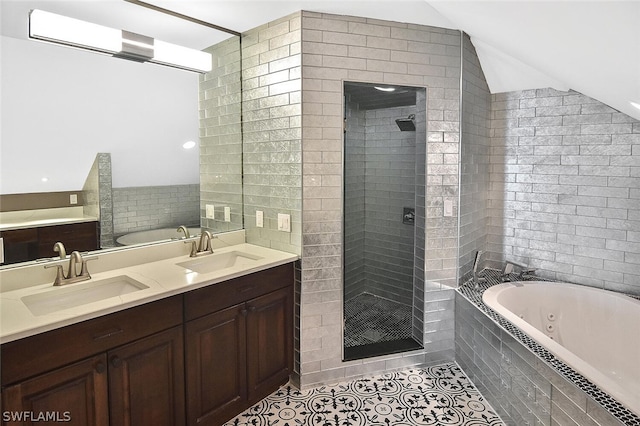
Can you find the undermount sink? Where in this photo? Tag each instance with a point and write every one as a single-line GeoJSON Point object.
{"type": "Point", "coordinates": [215, 262]}
{"type": "Point", "coordinates": [61, 298]}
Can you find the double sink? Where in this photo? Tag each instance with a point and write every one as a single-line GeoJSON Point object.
{"type": "Point", "coordinates": [73, 295]}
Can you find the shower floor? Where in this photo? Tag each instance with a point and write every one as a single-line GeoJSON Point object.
{"type": "Point", "coordinates": [374, 325]}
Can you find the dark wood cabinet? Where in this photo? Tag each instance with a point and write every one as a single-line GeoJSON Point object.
{"type": "Point", "coordinates": [76, 395]}
{"type": "Point", "coordinates": [75, 236]}
{"type": "Point", "coordinates": [146, 381]}
{"type": "Point", "coordinates": [21, 245]}
{"type": "Point", "coordinates": [216, 348]}
{"type": "Point", "coordinates": [269, 343]}
{"type": "Point", "coordinates": [239, 354]}
{"type": "Point", "coordinates": [132, 371]}
{"type": "Point", "coordinates": [201, 357]}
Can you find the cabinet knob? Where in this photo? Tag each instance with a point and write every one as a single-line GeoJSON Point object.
{"type": "Point", "coordinates": [101, 368]}
{"type": "Point", "coordinates": [116, 361]}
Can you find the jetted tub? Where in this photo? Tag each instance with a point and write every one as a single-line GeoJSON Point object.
{"type": "Point", "coordinates": [142, 237]}
{"type": "Point", "coordinates": [596, 332]}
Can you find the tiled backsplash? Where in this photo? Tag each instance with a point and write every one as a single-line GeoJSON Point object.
{"type": "Point", "coordinates": [565, 188]}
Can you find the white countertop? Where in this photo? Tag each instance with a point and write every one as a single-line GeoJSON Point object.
{"type": "Point", "coordinates": [46, 217]}
{"type": "Point", "coordinates": [163, 278]}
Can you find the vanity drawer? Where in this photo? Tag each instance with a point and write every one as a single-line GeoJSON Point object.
{"type": "Point", "coordinates": [215, 297]}
{"type": "Point", "coordinates": [43, 352]}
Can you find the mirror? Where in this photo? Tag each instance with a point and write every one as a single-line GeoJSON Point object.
{"type": "Point", "coordinates": [107, 138]}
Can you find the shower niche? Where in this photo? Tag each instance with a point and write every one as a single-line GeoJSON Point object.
{"type": "Point", "coordinates": [383, 219]}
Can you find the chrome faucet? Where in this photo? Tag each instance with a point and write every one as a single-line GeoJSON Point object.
{"type": "Point", "coordinates": [72, 272]}
{"type": "Point", "coordinates": [184, 229]}
{"type": "Point", "coordinates": [523, 271]}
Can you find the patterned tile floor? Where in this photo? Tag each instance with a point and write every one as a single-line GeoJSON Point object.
{"type": "Point", "coordinates": [370, 319]}
{"type": "Point", "coordinates": [440, 395]}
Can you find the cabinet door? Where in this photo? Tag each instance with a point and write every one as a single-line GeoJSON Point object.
{"type": "Point", "coordinates": [146, 381]}
{"type": "Point", "coordinates": [215, 348]}
{"type": "Point", "coordinates": [75, 236]}
{"type": "Point", "coordinates": [76, 395]}
{"type": "Point", "coordinates": [269, 342]}
{"type": "Point", "coordinates": [20, 245]}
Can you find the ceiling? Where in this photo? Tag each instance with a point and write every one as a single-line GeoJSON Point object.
{"type": "Point", "coordinates": [592, 47]}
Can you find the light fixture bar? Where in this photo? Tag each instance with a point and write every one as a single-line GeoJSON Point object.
{"type": "Point", "coordinates": [72, 32]}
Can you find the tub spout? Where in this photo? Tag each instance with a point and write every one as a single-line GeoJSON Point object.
{"type": "Point", "coordinates": [522, 272]}
{"type": "Point", "coordinates": [478, 275]}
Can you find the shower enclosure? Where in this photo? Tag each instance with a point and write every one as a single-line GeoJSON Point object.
{"type": "Point", "coordinates": [384, 219]}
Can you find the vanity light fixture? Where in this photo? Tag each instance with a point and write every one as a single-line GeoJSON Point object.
{"type": "Point", "coordinates": [54, 28]}
{"type": "Point", "coordinates": [385, 89]}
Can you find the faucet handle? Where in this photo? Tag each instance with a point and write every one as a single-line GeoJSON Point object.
{"type": "Point", "coordinates": [59, 273]}
{"type": "Point", "coordinates": [194, 248]}
{"type": "Point", "coordinates": [84, 271]}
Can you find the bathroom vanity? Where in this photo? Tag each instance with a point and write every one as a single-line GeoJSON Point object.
{"type": "Point", "coordinates": [187, 356]}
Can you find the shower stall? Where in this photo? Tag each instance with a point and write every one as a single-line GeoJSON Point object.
{"type": "Point", "coordinates": [384, 219]}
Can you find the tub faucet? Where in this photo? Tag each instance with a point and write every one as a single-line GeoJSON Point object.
{"type": "Point", "coordinates": [478, 276]}
{"type": "Point", "coordinates": [508, 270]}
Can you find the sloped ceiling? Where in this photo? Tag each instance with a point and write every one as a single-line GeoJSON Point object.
{"type": "Point", "coordinates": [589, 46]}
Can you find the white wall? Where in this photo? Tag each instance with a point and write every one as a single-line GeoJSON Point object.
{"type": "Point", "coordinates": [61, 106]}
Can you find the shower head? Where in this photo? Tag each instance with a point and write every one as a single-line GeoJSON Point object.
{"type": "Point", "coordinates": [407, 124]}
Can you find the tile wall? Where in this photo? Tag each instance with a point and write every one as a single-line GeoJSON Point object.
{"type": "Point", "coordinates": [335, 49]}
{"type": "Point", "coordinates": [272, 131]}
{"type": "Point", "coordinates": [475, 153]}
{"type": "Point", "coordinates": [150, 207]}
{"type": "Point", "coordinates": [386, 166]}
{"type": "Point", "coordinates": [565, 188]}
{"type": "Point", "coordinates": [220, 107]}
{"type": "Point", "coordinates": [354, 200]}
{"type": "Point", "coordinates": [98, 194]}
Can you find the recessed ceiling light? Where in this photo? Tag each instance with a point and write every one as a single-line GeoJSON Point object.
{"type": "Point", "coordinates": [189, 145]}
{"type": "Point", "coordinates": [45, 179]}
{"type": "Point", "coordinates": [385, 89]}
{"type": "Point", "coordinates": [635, 104]}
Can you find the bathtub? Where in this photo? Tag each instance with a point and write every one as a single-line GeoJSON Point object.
{"type": "Point", "coordinates": [595, 332]}
{"type": "Point", "coordinates": [142, 237]}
